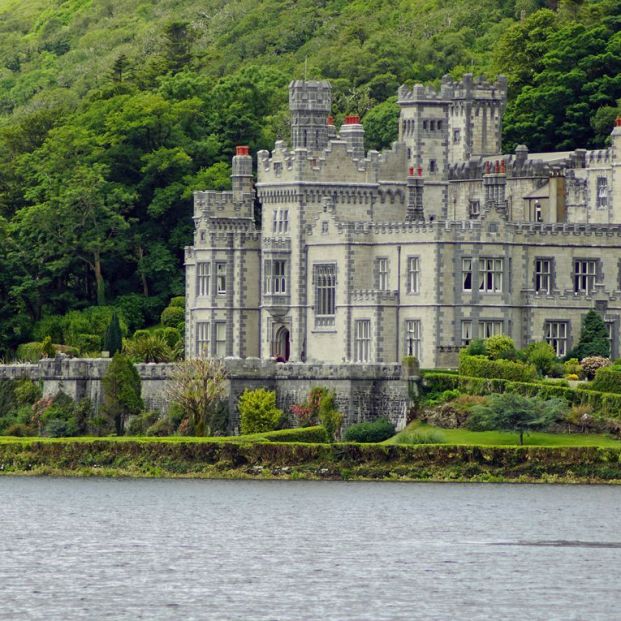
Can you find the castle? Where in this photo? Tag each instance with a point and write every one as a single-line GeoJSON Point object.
{"type": "Point", "coordinates": [338, 255]}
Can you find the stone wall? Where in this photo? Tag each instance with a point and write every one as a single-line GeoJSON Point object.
{"type": "Point", "coordinates": [363, 392]}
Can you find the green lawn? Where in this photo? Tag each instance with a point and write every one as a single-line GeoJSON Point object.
{"type": "Point", "coordinates": [502, 438]}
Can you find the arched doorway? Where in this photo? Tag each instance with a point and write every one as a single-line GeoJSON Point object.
{"type": "Point", "coordinates": [281, 347]}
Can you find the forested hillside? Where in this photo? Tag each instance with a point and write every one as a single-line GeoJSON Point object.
{"type": "Point", "coordinates": [112, 113]}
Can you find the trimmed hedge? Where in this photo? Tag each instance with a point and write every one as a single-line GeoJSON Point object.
{"type": "Point", "coordinates": [480, 366]}
{"type": "Point", "coordinates": [608, 379]}
{"type": "Point", "coordinates": [300, 434]}
{"type": "Point", "coordinates": [375, 431]}
{"type": "Point", "coordinates": [604, 403]}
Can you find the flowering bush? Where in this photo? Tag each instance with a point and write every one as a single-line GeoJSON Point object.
{"type": "Point", "coordinates": [590, 364]}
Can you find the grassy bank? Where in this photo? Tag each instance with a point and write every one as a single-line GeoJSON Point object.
{"type": "Point", "coordinates": [210, 458]}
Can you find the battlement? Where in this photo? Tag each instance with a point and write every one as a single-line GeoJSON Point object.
{"type": "Point", "coordinates": [468, 88]}
{"type": "Point", "coordinates": [217, 205]}
{"type": "Point", "coordinates": [374, 296]}
{"type": "Point", "coordinates": [310, 95]}
{"type": "Point", "coordinates": [335, 163]}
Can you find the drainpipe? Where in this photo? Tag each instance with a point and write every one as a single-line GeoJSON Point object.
{"type": "Point", "coordinates": [397, 331]}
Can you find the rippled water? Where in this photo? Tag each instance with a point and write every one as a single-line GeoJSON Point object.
{"type": "Point", "coordinates": [164, 549]}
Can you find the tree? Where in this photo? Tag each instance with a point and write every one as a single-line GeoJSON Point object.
{"type": "Point", "coordinates": [121, 392]}
{"type": "Point", "coordinates": [198, 386]}
{"type": "Point", "coordinates": [258, 411]}
{"type": "Point", "coordinates": [514, 412]}
{"type": "Point", "coordinates": [113, 339]}
{"type": "Point", "coordinates": [542, 355]}
{"type": "Point", "coordinates": [178, 39]}
{"type": "Point", "coordinates": [593, 338]}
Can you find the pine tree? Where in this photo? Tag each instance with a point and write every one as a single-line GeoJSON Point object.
{"type": "Point", "coordinates": [113, 339]}
{"type": "Point", "coordinates": [178, 39]}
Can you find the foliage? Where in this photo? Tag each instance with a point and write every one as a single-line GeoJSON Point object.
{"type": "Point", "coordinates": [477, 347]}
{"type": "Point", "coordinates": [27, 392]}
{"type": "Point", "coordinates": [541, 355]}
{"type": "Point", "coordinates": [30, 352]}
{"type": "Point", "coordinates": [172, 316]}
{"type": "Point", "coordinates": [121, 392]}
{"type": "Point", "coordinates": [313, 434]}
{"type": "Point", "coordinates": [591, 364]}
{"type": "Point", "coordinates": [420, 437]}
{"type": "Point", "coordinates": [608, 379]}
{"type": "Point", "coordinates": [376, 431]}
{"type": "Point", "coordinates": [332, 421]}
{"type": "Point", "coordinates": [593, 338]}
{"type": "Point", "coordinates": [319, 400]}
{"type": "Point", "coordinates": [177, 302]}
{"type": "Point", "coordinates": [514, 412]}
{"type": "Point", "coordinates": [479, 366]}
{"type": "Point", "coordinates": [197, 386]}
{"type": "Point", "coordinates": [138, 425]}
{"type": "Point", "coordinates": [113, 338]}
{"type": "Point", "coordinates": [500, 347]}
{"type": "Point", "coordinates": [572, 366]}
{"type": "Point", "coordinates": [150, 348]}
{"type": "Point", "coordinates": [258, 411]}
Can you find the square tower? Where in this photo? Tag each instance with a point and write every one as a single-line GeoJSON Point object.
{"type": "Point", "coordinates": [310, 102]}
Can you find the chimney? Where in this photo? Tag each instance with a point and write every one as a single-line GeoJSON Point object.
{"type": "Point", "coordinates": [353, 133]}
{"type": "Point", "coordinates": [241, 176]}
{"type": "Point", "coordinates": [415, 186]}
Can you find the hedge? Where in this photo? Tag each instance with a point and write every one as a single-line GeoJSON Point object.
{"type": "Point", "coordinates": [300, 434]}
{"type": "Point", "coordinates": [480, 366]}
{"type": "Point", "coordinates": [607, 379]}
{"type": "Point", "coordinates": [604, 403]}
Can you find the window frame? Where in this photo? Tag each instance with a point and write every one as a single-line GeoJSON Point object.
{"type": "Point", "coordinates": [203, 279]}
{"type": "Point", "coordinates": [220, 275]}
{"type": "Point", "coordinates": [413, 338]}
{"type": "Point", "coordinates": [381, 273]}
{"type": "Point", "coordinates": [484, 324]}
{"type": "Point", "coordinates": [541, 276]}
{"type": "Point", "coordinates": [413, 274]}
{"type": "Point", "coordinates": [583, 278]}
{"type": "Point", "coordinates": [202, 340]}
{"type": "Point", "coordinates": [559, 342]}
{"type": "Point", "coordinates": [324, 289]}
{"type": "Point", "coordinates": [362, 341]}
{"type": "Point", "coordinates": [220, 340]}
{"type": "Point", "coordinates": [491, 280]}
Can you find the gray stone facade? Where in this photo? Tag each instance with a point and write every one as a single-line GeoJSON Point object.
{"type": "Point", "coordinates": [366, 257]}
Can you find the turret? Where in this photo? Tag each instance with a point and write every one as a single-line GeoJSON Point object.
{"type": "Point", "coordinates": [495, 182]}
{"type": "Point", "coordinates": [310, 102]}
{"type": "Point", "coordinates": [352, 133]}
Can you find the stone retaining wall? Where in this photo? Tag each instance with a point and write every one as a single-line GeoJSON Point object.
{"type": "Point", "coordinates": [363, 392]}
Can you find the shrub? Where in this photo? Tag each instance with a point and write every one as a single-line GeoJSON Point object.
{"type": "Point", "coordinates": [8, 400]}
{"type": "Point", "coordinates": [138, 425]}
{"type": "Point", "coordinates": [608, 379]}
{"type": "Point", "coordinates": [30, 352]}
{"type": "Point", "coordinates": [331, 420]}
{"type": "Point", "coordinates": [121, 392]}
{"type": "Point", "coordinates": [500, 347]}
{"type": "Point", "coordinates": [258, 411]}
{"type": "Point", "coordinates": [88, 343]}
{"type": "Point", "coordinates": [479, 366]}
{"type": "Point", "coordinates": [376, 431]}
{"type": "Point", "coordinates": [48, 349]}
{"type": "Point", "coordinates": [177, 302]}
{"type": "Point", "coordinates": [421, 437]}
{"type": "Point", "coordinates": [92, 320]}
{"type": "Point", "coordinates": [27, 392]}
{"type": "Point", "coordinates": [170, 335]}
{"type": "Point", "coordinates": [316, 434]}
{"type": "Point", "coordinates": [443, 397]}
{"type": "Point", "coordinates": [572, 367]}
{"type": "Point", "coordinates": [132, 309]}
{"type": "Point", "coordinates": [149, 348]}
{"type": "Point", "coordinates": [572, 377]}
{"type": "Point", "coordinates": [171, 316]}
{"type": "Point", "coordinates": [58, 420]}
{"type": "Point", "coordinates": [308, 413]}
{"type": "Point", "coordinates": [592, 363]}
{"type": "Point", "coordinates": [593, 338]}
{"type": "Point", "coordinates": [161, 427]}
{"type": "Point", "coordinates": [52, 326]}
{"type": "Point", "coordinates": [18, 430]}
{"type": "Point", "coordinates": [476, 348]}
{"type": "Point", "coordinates": [541, 355]}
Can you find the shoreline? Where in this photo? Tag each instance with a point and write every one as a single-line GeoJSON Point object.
{"type": "Point", "coordinates": [298, 461]}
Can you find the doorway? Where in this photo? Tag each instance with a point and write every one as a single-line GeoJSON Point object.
{"type": "Point", "coordinates": [281, 345]}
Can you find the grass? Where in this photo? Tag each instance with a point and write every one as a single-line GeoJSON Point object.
{"type": "Point", "coordinates": [464, 437]}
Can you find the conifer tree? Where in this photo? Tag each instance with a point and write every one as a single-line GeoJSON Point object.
{"type": "Point", "coordinates": [113, 339]}
{"type": "Point", "coordinates": [121, 392]}
{"type": "Point", "coordinates": [593, 338]}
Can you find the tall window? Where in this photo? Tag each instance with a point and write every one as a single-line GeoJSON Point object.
{"type": "Point", "coordinates": [610, 326]}
{"type": "Point", "coordinates": [281, 221]}
{"type": "Point", "coordinates": [489, 328]}
{"type": "Point", "coordinates": [543, 275]}
{"type": "Point", "coordinates": [381, 268]}
{"type": "Point", "coordinates": [413, 338]}
{"type": "Point", "coordinates": [220, 278]}
{"type": "Point", "coordinates": [602, 192]}
{"type": "Point", "coordinates": [274, 277]}
{"type": "Point", "coordinates": [362, 340]}
{"type": "Point", "coordinates": [202, 339]}
{"type": "Point", "coordinates": [203, 279]}
{"type": "Point", "coordinates": [556, 335]}
{"type": "Point", "coordinates": [325, 293]}
{"type": "Point", "coordinates": [456, 136]}
{"type": "Point", "coordinates": [584, 275]}
{"type": "Point", "coordinates": [466, 332]}
{"type": "Point", "coordinates": [413, 274]}
{"type": "Point", "coordinates": [220, 339]}
{"type": "Point", "coordinates": [490, 275]}
{"type": "Point", "coordinates": [474, 208]}
{"type": "Point", "coordinates": [466, 272]}
{"type": "Point", "coordinates": [538, 212]}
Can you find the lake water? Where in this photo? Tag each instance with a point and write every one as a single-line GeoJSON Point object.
{"type": "Point", "coordinates": [196, 549]}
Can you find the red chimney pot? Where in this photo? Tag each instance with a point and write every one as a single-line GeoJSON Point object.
{"type": "Point", "coordinates": [420, 171]}
{"type": "Point", "coordinates": [411, 171]}
{"type": "Point", "coordinates": [330, 120]}
{"type": "Point", "coordinates": [352, 119]}
{"type": "Point", "coordinates": [242, 150]}
{"type": "Point", "coordinates": [618, 121]}
{"type": "Point", "coordinates": [503, 168]}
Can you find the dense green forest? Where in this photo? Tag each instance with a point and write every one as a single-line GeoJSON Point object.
{"type": "Point", "coordinates": [113, 113]}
